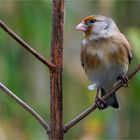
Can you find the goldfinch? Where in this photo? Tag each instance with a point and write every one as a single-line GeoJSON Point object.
{"type": "Point", "coordinates": [105, 56]}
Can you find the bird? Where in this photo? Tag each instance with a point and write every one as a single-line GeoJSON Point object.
{"type": "Point", "coordinates": [105, 56]}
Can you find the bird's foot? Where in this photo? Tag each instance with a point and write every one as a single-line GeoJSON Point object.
{"type": "Point", "coordinates": [100, 103]}
{"type": "Point", "coordinates": [124, 80]}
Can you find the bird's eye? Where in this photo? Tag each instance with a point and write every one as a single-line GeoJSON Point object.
{"type": "Point", "coordinates": [92, 21]}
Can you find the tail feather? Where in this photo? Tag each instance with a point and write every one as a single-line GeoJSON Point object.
{"type": "Point", "coordinates": [112, 100]}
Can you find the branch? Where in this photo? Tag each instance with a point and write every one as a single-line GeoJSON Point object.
{"type": "Point", "coordinates": [56, 96]}
{"type": "Point", "coordinates": [25, 45]}
{"type": "Point", "coordinates": [93, 107]}
{"type": "Point", "coordinates": [25, 106]}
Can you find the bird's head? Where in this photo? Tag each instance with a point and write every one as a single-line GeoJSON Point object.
{"type": "Point", "coordinates": [97, 26]}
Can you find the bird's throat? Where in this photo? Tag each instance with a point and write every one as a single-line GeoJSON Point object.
{"type": "Point", "coordinates": [88, 32]}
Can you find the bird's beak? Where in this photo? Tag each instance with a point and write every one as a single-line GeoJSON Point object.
{"type": "Point", "coordinates": [82, 27]}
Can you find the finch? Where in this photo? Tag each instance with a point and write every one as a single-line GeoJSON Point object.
{"type": "Point", "coordinates": [105, 56]}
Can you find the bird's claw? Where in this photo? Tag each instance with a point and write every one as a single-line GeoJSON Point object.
{"type": "Point", "coordinates": [100, 103]}
{"type": "Point", "coordinates": [124, 80]}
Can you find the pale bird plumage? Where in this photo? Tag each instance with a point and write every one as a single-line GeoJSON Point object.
{"type": "Point", "coordinates": [105, 53]}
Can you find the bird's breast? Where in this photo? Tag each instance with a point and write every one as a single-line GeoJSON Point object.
{"type": "Point", "coordinates": [96, 54]}
{"type": "Point", "coordinates": [92, 56]}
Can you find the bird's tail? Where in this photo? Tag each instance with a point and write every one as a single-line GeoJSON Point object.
{"type": "Point", "coordinates": [111, 100]}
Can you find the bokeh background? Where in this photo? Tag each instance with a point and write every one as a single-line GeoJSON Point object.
{"type": "Point", "coordinates": [29, 78]}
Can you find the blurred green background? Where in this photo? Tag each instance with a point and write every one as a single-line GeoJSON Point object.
{"type": "Point", "coordinates": [29, 78]}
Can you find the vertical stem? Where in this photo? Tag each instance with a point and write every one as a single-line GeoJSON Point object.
{"type": "Point", "coordinates": [56, 110]}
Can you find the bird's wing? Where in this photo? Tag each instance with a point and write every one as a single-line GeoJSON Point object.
{"type": "Point", "coordinates": [121, 39]}
{"type": "Point", "coordinates": [82, 57]}
{"type": "Point", "coordinates": [82, 63]}
{"type": "Point", "coordinates": [128, 48]}
{"type": "Point", "coordinates": [129, 56]}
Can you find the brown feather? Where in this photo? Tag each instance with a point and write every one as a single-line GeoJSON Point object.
{"type": "Point", "coordinates": [104, 52]}
{"type": "Point", "coordinates": [88, 18]}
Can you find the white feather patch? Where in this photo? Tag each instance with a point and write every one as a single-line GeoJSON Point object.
{"type": "Point", "coordinates": [85, 42]}
{"type": "Point", "coordinates": [92, 87]}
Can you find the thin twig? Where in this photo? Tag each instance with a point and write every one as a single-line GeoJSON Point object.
{"type": "Point", "coordinates": [93, 107]}
{"type": "Point", "coordinates": [25, 45]}
{"type": "Point", "coordinates": [25, 106]}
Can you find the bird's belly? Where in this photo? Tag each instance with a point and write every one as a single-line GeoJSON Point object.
{"type": "Point", "coordinates": [106, 75]}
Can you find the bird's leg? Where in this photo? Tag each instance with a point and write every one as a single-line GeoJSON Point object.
{"type": "Point", "coordinates": [124, 80]}
{"type": "Point", "coordinates": [99, 102]}
{"type": "Point", "coordinates": [97, 95]}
